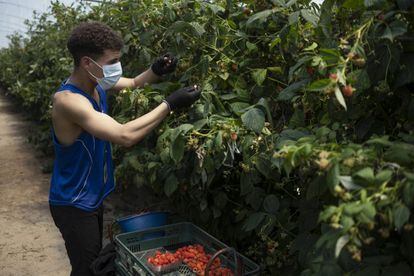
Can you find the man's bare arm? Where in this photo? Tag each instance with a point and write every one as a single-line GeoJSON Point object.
{"type": "Point", "coordinates": [79, 110]}
{"type": "Point", "coordinates": [146, 77]}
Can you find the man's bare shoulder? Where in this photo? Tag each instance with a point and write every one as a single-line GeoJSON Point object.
{"type": "Point", "coordinates": [67, 101]}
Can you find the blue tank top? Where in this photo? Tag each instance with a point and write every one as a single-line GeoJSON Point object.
{"type": "Point", "coordinates": [82, 172]}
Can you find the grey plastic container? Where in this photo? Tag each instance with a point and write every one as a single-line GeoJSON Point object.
{"type": "Point", "coordinates": [131, 248]}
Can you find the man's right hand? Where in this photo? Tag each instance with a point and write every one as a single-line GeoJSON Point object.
{"type": "Point", "coordinates": [183, 97]}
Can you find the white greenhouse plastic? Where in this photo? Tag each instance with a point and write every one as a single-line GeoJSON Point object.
{"type": "Point", "coordinates": [13, 13]}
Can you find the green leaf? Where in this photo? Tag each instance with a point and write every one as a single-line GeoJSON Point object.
{"type": "Point", "coordinates": [398, 28]}
{"type": "Point", "coordinates": [297, 119]}
{"type": "Point", "coordinates": [328, 239]}
{"type": "Point", "coordinates": [353, 208]}
{"type": "Point", "coordinates": [408, 193]}
{"type": "Point", "coordinates": [259, 75]}
{"type": "Point", "coordinates": [239, 107]}
{"type": "Point", "coordinates": [340, 97]}
{"type": "Point", "coordinates": [134, 163]}
{"type": "Point", "coordinates": [185, 27]}
{"type": "Point", "coordinates": [263, 165]}
{"type": "Point", "coordinates": [128, 37]}
{"type": "Point", "coordinates": [410, 176]}
{"type": "Point", "coordinates": [165, 155]}
{"type": "Point", "coordinates": [177, 149]}
{"type": "Point", "coordinates": [275, 69]}
{"type": "Point", "coordinates": [395, 29]}
{"type": "Point", "coordinates": [218, 141]}
{"type": "Point", "coordinates": [400, 153]}
{"type": "Point", "coordinates": [312, 47]}
{"type": "Point", "coordinates": [347, 222]}
{"type": "Point", "coordinates": [198, 28]}
{"type": "Point", "coordinates": [180, 26]}
{"type": "Point", "coordinates": [289, 92]}
{"type": "Point", "coordinates": [383, 141]}
{"type": "Point", "coordinates": [215, 8]}
{"type": "Point", "coordinates": [232, 24]}
{"type": "Point", "coordinates": [271, 204]}
{"type": "Point", "coordinates": [261, 16]}
{"type": "Point", "coordinates": [293, 17]}
{"type": "Point", "coordinates": [200, 124]}
{"type": "Point", "coordinates": [182, 129]}
{"type": "Point", "coordinates": [387, 34]}
{"type": "Point", "coordinates": [251, 46]}
{"type": "Point", "coordinates": [275, 42]}
{"type": "Point", "coordinates": [328, 213]}
{"type": "Point", "coordinates": [340, 243]}
{"type": "Point", "coordinates": [332, 178]}
{"type": "Point", "coordinates": [254, 119]}
{"type": "Point", "coordinates": [330, 56]}
{"type": "Point", "coordinates": [370, 3]}
{"type": "Point", "coordinates": [289, 3]}
{"type": "Point", "coordinates": [365, 176]}
{"type": "Point", "coordinates": [360, 79]}
{"type": "Point", "coordinates": [383, 177]}
{"type": "Point", "coordinates": [368, 209]}
{"type": "Point", "coordinates": [229, 96]}
{"type": "Point", "coordinates": [320, 85]}
{"type": "Point", "coordinates": [298, 65]}
{"type": "Point", "coordinates": [309, 16]}
{"type": "Point", "coordinates": [401, 215]}
{"type": "Point", "coordinates": [170, 185]}
{"type": "Point", "coordinates": [264, 104]}
{"type": "Point", "coordinates": [353, 4]}
{"type": "Point", "coordinates": [253, 221]}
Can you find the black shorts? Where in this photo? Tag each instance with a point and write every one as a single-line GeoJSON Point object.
{"type": "Point", "coordinates": [82, 232]}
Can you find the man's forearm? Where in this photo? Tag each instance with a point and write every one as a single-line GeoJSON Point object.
{"type": "Point", "coordinates": [137, 129]}
{"type": "Point", "coordinates": [144, 78]}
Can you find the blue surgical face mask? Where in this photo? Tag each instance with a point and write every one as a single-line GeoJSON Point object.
{"type": "Point", "coordinates": [111, 75]}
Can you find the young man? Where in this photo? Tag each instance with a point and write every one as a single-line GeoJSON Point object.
{"type": "Point", "coordinates": [82, 132]}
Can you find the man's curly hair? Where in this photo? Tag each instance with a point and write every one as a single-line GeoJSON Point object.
{"type": "Point", "coordinates": [92, 39]}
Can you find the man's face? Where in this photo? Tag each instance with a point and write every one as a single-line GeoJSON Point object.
{"type": "Point", "coordinates": [108, 57]}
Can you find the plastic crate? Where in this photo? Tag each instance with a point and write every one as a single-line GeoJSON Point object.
{"type": "Point", "coordinates": [131, 248]}
{"type": "Point", "coordinates": [120, 269]}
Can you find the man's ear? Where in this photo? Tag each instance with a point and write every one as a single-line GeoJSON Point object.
{"type": "Point", "coordinates": [85, 62]}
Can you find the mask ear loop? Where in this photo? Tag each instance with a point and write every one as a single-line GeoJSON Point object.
{"type": "Point", "coordinates": [96, 65]}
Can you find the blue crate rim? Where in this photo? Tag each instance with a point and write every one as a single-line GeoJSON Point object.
{"type": "Point", "coordinates": [117, 241]}
{"type": "Point", "coordinates": [140, 215]}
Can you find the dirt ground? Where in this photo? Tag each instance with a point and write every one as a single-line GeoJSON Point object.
{"type": "Point", "coordinates": [30, 243]}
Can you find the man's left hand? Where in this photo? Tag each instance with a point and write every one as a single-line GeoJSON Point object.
{"type": "Point", "coordinates": [164, 65]}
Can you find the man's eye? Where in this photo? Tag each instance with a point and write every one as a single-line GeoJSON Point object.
{"type": "Point", "coordinates": [113, 61]}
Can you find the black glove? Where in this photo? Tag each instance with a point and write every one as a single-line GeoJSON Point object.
{"type": "Point", "coordinates": [164, 65]}
{"type": "Point", "coordinates": [183, 97]}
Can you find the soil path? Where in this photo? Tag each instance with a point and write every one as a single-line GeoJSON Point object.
{"type": "Point", "coordinates": [30, 243]}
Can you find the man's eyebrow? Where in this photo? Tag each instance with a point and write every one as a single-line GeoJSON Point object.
{"type": "Point", "coordinates": [114, 60]}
